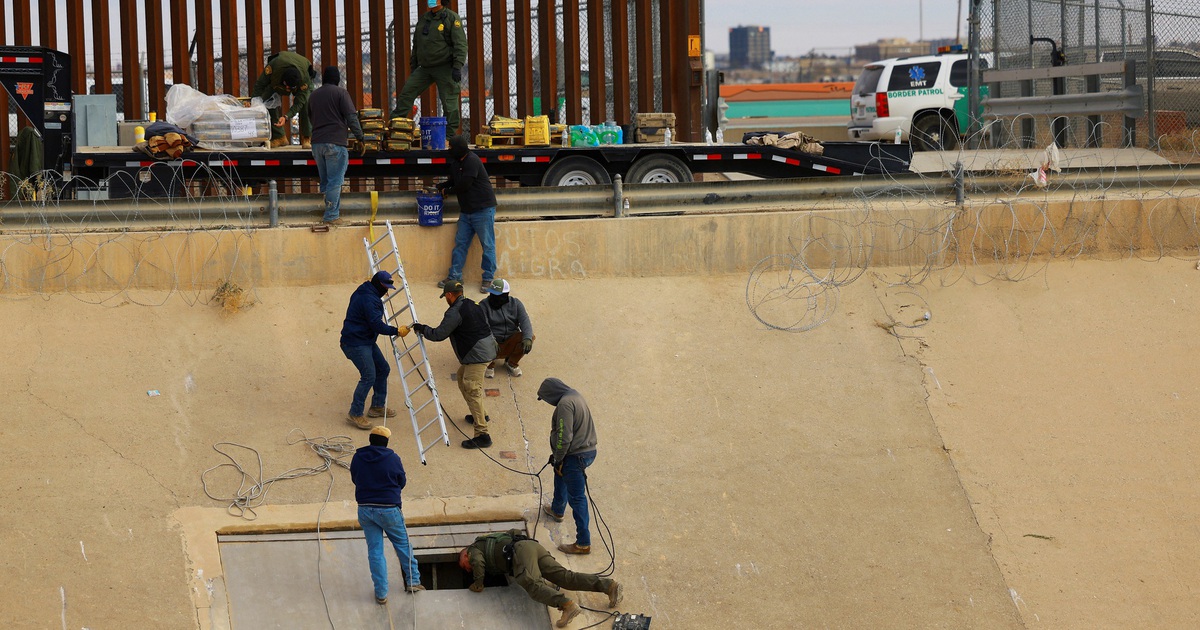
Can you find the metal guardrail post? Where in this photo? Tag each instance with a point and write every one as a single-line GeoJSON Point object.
{"type": "Point", "coordinates": [618, 197]}
{"type": "Point", "coordinates": [273, 203]}
{"type": "Point", "coordinates": [960, 194]}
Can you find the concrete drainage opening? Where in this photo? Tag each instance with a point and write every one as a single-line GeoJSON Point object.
{"type": "Point", "coordinates": [295, 581]}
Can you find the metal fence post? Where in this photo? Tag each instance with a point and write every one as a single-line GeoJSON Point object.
{"type": "Point", "coordinates": [973, 46]}
{"type": "Point", "coordinates": [1151, 69]}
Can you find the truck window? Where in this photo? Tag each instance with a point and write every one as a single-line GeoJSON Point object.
{"type": "Point", "coordinates": [914, 76]}
{"type": "Point", "coordinates": [960, 72]}
{"type": "Point", "coordinates": [868, 81]}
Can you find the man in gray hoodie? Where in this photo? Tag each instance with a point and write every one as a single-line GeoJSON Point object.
{"type": "Point", "coordinates": [465, 325]}
{"type": "Point", "coordinates": [573, 449]}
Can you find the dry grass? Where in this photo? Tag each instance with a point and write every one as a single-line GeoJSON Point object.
{"type": "Point", "coordinates": [232, 297]}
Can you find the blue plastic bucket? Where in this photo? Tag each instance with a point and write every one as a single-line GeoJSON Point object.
{"type": "Point", "coordinates": [433, 133]}
{"type": "Point", "coordinates": [429, 209]}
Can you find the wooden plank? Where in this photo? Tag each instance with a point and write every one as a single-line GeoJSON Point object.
{"type": "Point", "coordinates": [156, 82]}
{"type": "Point", "coordinates": [76, 46]}
{"type": "Point", "coordinates": [500, 78]}
{"type": "Point", "coordinates": [644, 25]}
{"type": "Point", "coordinates": [377, 17]}
{"type": "Point", "coordinates": [254, 42]}
{"type": "Point", "coordinates": [131, 73]}
{"type": "Point", "coordinates": [597, 84]}
{"type": "Point", "coordinates": [548, 54]}
{"type": "Point", "coordinates": [523, 23]}
{"type": "Point", "coordinates": [181, 41]}
{"type": "Point", "coordinates": [572, 59]}
{"type": "Point", "coordinates": [206, 76]}
{"type": "Point", "coordinates": [231, 62]}
{"type": "Point", "coordinates": [476, 81]}
{"type": "Point", "coordinates": [48, 23]}
{"type": "Point", "coordinates": [101, 48]}
{"type": "Point", "coordinates": [622, 94]}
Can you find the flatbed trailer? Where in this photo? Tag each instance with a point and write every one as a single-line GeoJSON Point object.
{"type": "Point", "coordinates": [528, 165]}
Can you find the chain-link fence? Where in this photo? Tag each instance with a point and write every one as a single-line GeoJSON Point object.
{"type": "Point", "coordinates": [1161, 37]}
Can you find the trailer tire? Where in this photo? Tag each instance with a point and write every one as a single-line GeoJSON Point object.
{"type": "Point", "coordinates": [576, 171]}
{"type": "Point", "coordinates": [659, 169]}
{"type": "Point", "coordinates": [932, 132]}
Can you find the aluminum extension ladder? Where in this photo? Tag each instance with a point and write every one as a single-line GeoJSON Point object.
{"type": "Point", "coordinates": [420, 392]}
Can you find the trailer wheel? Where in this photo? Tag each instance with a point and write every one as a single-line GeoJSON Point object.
{"type": "Point", "coordinates": [576, 171]}
{"type": "Point", "coordinates": [659, 169]}
{"type": "Point", "coordinates": [932, 132]}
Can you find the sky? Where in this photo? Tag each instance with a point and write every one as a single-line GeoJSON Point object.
{"type": "Point", "coordinates": [798, 26]}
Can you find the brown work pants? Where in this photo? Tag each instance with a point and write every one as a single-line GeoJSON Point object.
{"type": "Point", "coordinates": [533, 566]}
{"type": "Point", "coordinates": [511, 350]}
{"type": "Point", "coordinates": [470, 383]}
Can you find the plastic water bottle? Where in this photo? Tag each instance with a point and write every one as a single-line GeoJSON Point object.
{"type": "Point", "coordinates": [708, 139]}
{"type": "Point", "coordinates": [720, 136]}
{"type": "Point", "coordinates": [898, 132]}
{"type": "Point", "coordinates": [667, 137]}
{"type": "Point", "coordinates": [566, 139]}
{"type": "Point", "coordinates": [139, 134]}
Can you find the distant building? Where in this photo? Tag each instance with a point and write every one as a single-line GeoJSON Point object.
{"type": "Point", "coordinates": [749, 46]}
{"type": "Point", "coordinates": [893, 47]}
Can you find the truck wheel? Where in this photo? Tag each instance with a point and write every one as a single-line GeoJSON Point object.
{"type": "Point", "coordinates": [659, 169]}
{"type": "Point", "coordinates": [932, 132]}
{"type": "Point", "coordinates": [576, 171]}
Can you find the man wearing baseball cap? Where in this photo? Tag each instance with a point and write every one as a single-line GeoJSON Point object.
{"type": "Point", "coordinates": [465, 325]}
{"type": "Point", "coordinates": [363, 323]}
{"type": "Point", "coordinates": [510, 326]}
{"type": "Point", "coordinates": [378, 476]}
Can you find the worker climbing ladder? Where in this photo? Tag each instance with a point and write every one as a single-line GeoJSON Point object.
{"type": "Point", "coordinates": [420, 392]}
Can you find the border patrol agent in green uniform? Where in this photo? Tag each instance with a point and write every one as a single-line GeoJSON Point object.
{"type": "Point", "coordinates": [288, 74]}
{"type": "Point", "coordinates": [438, 54]}
{"type": "Point", "coordinates": [514, 554]}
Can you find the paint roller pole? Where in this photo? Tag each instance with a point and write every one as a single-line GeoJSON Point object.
{"type": "Point", "coordinates": [273, 203]}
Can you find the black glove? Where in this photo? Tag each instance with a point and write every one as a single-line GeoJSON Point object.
{"type": "Point", "coordinates": [551, 462]}
{"type": "Point", "coordinates": [456, 74]}
{"type": "Point", "coordinates": [526, 345]}
{"type": "Point", "coordinates": [420, 329]}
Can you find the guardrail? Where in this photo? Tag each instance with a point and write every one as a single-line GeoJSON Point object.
{"type": "Point", "coordinates": [560, 203]}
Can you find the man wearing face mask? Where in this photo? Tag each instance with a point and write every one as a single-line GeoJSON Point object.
{"type": "Point", "coordinates": [363, 323]}
{"type": "Point", "coordinates": [439, 50]}
{"type": "Point", "coordinates": [510, 326]}
{"type": "Point", "coordinates": [467, 329]}
{"type": "Point", "coordinates": [477, 207]}
{"type": "Point", "coordinates": [287, 74]}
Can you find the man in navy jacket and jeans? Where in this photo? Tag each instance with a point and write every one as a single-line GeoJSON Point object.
{"type": "Point", "coordinates": [363, 323]}
{"type": "Point", "coordinates": [378, 476]}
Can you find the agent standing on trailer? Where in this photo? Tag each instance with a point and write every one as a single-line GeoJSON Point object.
{"type": "Point", "coordinates": [439, 51]}
{"type": "Point", "coordinates": [573, 449]}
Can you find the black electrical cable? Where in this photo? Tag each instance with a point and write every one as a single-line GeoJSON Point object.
{"type": "Point", "coordinates": [609, 614]}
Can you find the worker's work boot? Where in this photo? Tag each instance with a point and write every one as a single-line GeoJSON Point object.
{"type": "Point", "coordinates": [305, 142]}
{"type": "Point", "coordinates": [576, 550]}
{"type": "Point", "coordinates": [570, 610]}
{"type": "Point", "coordinates": [378, 412]}
{"type": "Point", "coordinates": [413, 588]}
{"type": "Point", "coordinates": [616, 593]}
{"type": "Point", "coordinates": [479, 441]}
{"type": "Point", "coordinates": [558, 518]}
{"type": "Point", "coordinates": [278, 142]}
{"type": "Point", "coordinates": [359, 422]}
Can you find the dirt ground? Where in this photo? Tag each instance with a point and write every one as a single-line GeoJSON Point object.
{"type": "Point", "coordinates": [1021, 460]}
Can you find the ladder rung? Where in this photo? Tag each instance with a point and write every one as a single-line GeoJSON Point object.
{"type": "Point", "coordinates": [418, 409]}
{"type": "Point", "coordinates": [430, 423]}
{"type": "Point", "coordinates": [380, 240]}
{"type": "Point", "coordinates": [413, 368]}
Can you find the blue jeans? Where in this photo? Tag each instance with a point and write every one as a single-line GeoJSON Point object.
{"type": "Point", "coordinates": [376, 521]}
{"type": "Point", "coordinates": [332, 161]}
{"type": "Point", "coordinates": [373, 372]}
{"type": "Point", "coordinates": [571, 488]}
{"type": "Point", "coordinates": [481, 223]}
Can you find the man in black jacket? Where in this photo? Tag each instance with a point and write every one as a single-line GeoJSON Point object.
{"type": "Point", "coordinates": [465, 325]}
{"type": "Point", "coordinates": [333, 114]}
{"type": "Point", "coordinates": [378, 476]}
{"type": "Point", "coordinates": [477, 204]}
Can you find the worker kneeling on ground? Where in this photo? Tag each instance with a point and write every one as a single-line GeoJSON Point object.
{"type": "Point", "coordinates": [510, 326]}
{"type": "Point", "coordinates": [288, 74]}
{"type": "Point", "coordinates": [514, 554]}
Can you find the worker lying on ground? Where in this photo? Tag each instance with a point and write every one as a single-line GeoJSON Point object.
{"type": "Point", "coordinates": [515, 554]}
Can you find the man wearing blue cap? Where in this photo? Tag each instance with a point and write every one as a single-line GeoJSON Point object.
{"type": "Point", "coordinates": [363, 323]}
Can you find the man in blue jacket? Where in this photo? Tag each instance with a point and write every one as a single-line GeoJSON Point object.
{"type": "Point", "coordinates": [363, 323]}
{"type": "Point", "coordinates": [378, 476]}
